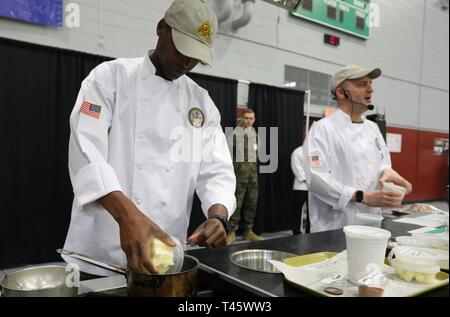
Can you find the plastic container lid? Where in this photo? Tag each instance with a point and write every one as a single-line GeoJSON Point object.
{"type": "Point", "coordinates": [166, 259]}
{"type": "Point", "coordinates": [410, 241]}
{"type": "Point", "coordinates": [364, 232]}
{"type": "Point", "coordinates": [372, 279]}
{"type": "Point", "coordinates": [417, 268]}
{"type": "Point", "coordinates": [414, 259]}
{"type": "Point", "coordinates": [432, 240]}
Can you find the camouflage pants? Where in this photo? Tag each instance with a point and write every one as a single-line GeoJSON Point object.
{"type": "Point", "coordinates": [246, 198]}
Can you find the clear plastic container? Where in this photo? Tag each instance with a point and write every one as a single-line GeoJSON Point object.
{"type": "Point", "coordinates": [372, 284]}
{"type": "Point", "coordinates": [441, 254]}
{"type": "Point", "coordinates": [366, 219]}
{"type": "Point", "coordinates": [414, 264]}
{"type": "Point", "coordinates": [167, 260]}
{"type": "Point", "coordinates": [395, 188]}
{"type": "Point", "coordinates": [432, 240]}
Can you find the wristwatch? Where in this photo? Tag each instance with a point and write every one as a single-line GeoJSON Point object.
{"type": "Point", "coordinates": [224, 220]}
{"type": "Point", "coordinates": [359, 196]}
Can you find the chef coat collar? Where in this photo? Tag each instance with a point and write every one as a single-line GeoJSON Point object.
{"type": "Point", "coordinates": [148, 69]}
{"type": "Point", "coordinates": [344, 119]}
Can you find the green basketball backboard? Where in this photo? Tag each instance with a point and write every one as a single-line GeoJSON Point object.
{"type": "Point", "coordinates": [350, 16]}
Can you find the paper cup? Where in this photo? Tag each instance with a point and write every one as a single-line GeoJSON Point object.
{"type": "Point", "coordinates": [366, 249]}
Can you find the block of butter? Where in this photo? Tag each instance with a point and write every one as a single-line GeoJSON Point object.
{"type": "Point", "coordinates": [162, 256]}
{"type": "Point", "coordinates": [166, 259]}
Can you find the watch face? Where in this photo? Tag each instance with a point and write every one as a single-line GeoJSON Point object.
{"type": "Point", "coordinates": [359, 196]}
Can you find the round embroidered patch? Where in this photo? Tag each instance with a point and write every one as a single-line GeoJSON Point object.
{"type": "Point", "coordinates": [196, 118]}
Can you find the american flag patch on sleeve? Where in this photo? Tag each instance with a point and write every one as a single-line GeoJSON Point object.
{"type": "Point", "coordinates": [91, 110]}
{"type": "Point", "coordinates": [314, 159]}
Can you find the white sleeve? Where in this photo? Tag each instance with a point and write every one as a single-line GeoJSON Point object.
{"type": "Point", "coordinates": [91, 175]}
{"type": "Point", "coordinates": [216, 181]}
{"type": "Point", "coordinates": [317, 170]}
{"type": "Point", "coordinates": [296, 165]}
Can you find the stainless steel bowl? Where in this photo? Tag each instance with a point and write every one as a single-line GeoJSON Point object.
{"type": "Point", "coordinates": [40, 281]}
{"type": "Point", "coordinates": [256, 260]}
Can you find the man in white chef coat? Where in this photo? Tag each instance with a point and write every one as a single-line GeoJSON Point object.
{"type": "Point", "coordinates": [346, 159]}
{"type": "Point", "coordinates": [129, 179]}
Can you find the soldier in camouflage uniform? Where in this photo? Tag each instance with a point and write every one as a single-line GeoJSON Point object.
{"type": "Point", "coordinates": [245, 148]}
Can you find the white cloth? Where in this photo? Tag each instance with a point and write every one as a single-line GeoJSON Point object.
{"type": "Point", "coordinates": [131, 148]}
{"type": "Point", "coordinates": [342, 157]}
{"type": "Point", "coordinates": [297, 169]}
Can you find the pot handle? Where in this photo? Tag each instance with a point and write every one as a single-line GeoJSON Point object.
{"type": "Point", "coordinates": [87, 259]}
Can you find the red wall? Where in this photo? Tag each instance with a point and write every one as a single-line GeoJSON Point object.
{"type": "Point", "coordinates": [426, 172]}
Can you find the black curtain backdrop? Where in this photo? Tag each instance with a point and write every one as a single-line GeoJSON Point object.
{"type": "Point", "coordinates": [283, 109]}
{"type": "Point", "coordinates": [224, 94]}
{"type": "Point", "coordinates": [38, 90]}
{"type": "Point", "coordinates": [39, 86]}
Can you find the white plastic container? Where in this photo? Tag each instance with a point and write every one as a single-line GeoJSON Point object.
{"type": "Point", "coordinates": [366, 219]}
{"type": "Point", "coordinates": [395, 188]}
{"type": "Point", "coordinates": [413, 264]}
{"type": "Point", "coordinates": [366, 248]}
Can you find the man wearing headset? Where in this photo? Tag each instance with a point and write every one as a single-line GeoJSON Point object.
{"type": "Point", "coordinates": [346, 159]}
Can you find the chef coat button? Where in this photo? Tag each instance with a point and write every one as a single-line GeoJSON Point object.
{"type": "Point", "coordinates": [140, 168]}
{"type": "Point", "coordinates": [139, 201]}
{"type": "Point", "coordinates": [164, 203]}
{"type": "Point", "coordinates": [167, 169]}
{"type": "Point", "coordinates": [141, 136]}
{"type": "Point", "coordinates": [144, 102]}
{"type": "Point", "coordinates": [178, 109]}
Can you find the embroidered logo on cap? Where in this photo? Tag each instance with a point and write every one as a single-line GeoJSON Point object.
{"type": "Point", "coordinates": [196, 117]}
{"type": "Point", "coordinates": [204, 31]}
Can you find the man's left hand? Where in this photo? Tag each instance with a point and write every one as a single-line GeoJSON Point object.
{"type": "Point", "coordinates": [210, 234]}
{"type": "Point", "coordinates": [389, 175]}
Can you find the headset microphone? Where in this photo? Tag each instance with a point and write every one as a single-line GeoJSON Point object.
{"type": "Point", "coordinates": [369, 107]}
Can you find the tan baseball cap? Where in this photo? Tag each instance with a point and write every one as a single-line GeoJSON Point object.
{"type": "Point", "coordinates": [353, 72]}
{"type": "Point", "coordinates": [194, 27]}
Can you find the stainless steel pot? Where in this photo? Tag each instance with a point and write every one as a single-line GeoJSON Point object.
{"type": "Point", "coordinates": [182, 284]}
{"type": "Point", "coordinates": [40, 281]}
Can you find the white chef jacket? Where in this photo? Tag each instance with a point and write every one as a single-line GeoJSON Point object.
{"type": "Point", "coordinates": [342, 157]}
{"type": "Point", "coordinates": [130, 148]}
{"type": "Point", "coordinates": [297, 169]}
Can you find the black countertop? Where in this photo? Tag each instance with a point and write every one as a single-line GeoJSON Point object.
{"type": "Point", "coordinates": [225, 278]}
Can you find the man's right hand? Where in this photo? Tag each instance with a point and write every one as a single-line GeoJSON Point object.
{"type": "Point", "coordinates": [385, 199]}
{"type": "Point", "coordinates": [136, 230]}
